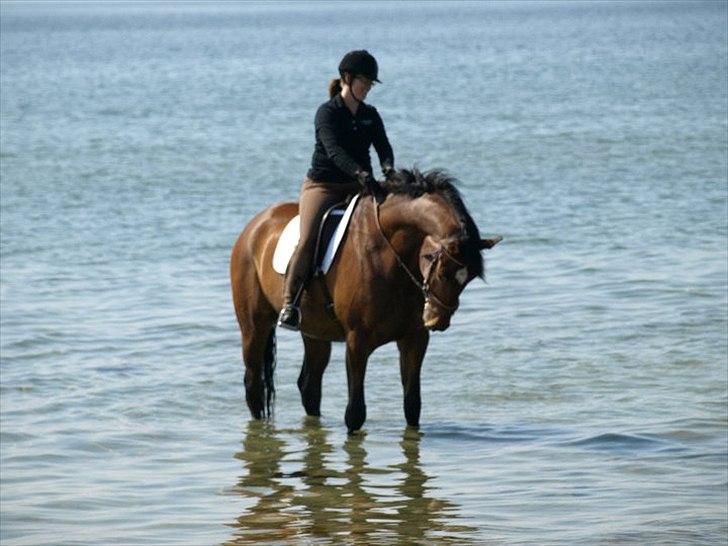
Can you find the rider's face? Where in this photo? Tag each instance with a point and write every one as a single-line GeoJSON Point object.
{"type": "Point", "coordinates": [361, 86]}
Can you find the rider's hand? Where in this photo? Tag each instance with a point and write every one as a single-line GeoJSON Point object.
{"type": "Point", "coordinates": [370, 186]}
{"type": "Point", "coordinates": [364, 178]}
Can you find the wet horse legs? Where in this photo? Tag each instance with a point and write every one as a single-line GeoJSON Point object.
{"type": "Point", "coordinates": [411, 354]}
{"type": "Point", "coordinates": [357, 354]}
{"type": "Point", "coordinates": [255, 353]}
{"type": "Point", "coordinates": [315, 359]}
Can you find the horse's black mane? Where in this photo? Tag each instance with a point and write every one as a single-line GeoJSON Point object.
{"type": "Point", "coordinates": [413, 184]}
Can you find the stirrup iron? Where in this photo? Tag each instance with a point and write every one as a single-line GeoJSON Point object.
{"type": "Point", "coordinates": [290, 318]}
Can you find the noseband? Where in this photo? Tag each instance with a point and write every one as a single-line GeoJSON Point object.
{"type": "Point", "coordinates": [423, 286]}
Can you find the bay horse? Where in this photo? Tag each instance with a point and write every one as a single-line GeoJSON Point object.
{"type": "Point", "coordinates": [398, 275]}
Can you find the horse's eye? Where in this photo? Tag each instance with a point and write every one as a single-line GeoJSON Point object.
{"type": "Point", "coordinates": [430, 257]}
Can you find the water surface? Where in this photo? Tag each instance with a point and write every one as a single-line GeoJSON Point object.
{"type": "Point", "coordinates": [580, 396]}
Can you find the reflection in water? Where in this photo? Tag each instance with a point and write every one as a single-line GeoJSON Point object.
{"type": "Point", "coordinates": [328, 496]}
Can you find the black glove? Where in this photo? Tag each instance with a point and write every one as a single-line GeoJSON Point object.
{"type": "Point", "coordinates": [371, 186]}
{"type": "Point", "coordinates": [364, 178]}
{"type": "Point", "coordinates": [388, 171]}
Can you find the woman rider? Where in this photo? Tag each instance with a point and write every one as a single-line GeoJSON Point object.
{"type": "Point", "coordinates": [346, 127]}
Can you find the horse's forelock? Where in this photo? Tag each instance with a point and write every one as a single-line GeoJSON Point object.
{"type": "Point", "coordinates": [413, 184]}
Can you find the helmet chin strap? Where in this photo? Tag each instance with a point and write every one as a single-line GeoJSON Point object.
{"type": "Point", "coordinates": [351, 90]}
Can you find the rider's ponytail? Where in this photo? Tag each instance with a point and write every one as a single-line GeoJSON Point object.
{"type": "Point", "coordinates": [334, 87]}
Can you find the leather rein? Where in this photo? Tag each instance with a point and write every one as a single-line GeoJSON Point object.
{"type": "Point", "coordinates": [423, 286]}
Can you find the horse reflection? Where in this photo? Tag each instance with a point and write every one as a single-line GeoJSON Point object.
{"type": "Point", "coordinates": [263, 520]}
{"type": "Point", "coordinates": [318, 497]}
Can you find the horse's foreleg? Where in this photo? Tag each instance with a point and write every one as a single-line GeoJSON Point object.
{"type": "Point", "coordinates": [357, 354]}
{"type": "Point", "coordinates": [315, 359]}
{"type": "Point", "coordinates": [411, 354]}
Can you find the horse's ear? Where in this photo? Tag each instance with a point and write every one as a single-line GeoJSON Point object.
{"type": "Point", "coordinates": [490, 243]}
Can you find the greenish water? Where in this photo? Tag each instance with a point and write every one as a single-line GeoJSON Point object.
{"type": "Point", "coordinates": [579, 397]}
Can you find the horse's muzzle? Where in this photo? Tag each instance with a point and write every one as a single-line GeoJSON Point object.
{"type": "Point", "coordinates": [435, 319]}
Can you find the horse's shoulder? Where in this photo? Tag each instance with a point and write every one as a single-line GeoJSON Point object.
{"type": "Point", "coordinates": [360, 211]}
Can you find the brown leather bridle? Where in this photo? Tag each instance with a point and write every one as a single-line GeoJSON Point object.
{"type": "Point", "coordinates": [423, 286]}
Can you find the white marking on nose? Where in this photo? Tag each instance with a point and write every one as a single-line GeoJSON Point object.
{"type": "Point", "coordinates": [461, 275]}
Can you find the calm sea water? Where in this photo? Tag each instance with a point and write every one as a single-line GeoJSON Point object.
{"type": "Point", "coordinates": [580, 396]}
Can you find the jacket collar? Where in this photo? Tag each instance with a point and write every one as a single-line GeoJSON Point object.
{"type": "Point", "coordinates": [338, 101]}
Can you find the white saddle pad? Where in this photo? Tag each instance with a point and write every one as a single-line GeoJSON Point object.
{"type": "Point", "coordinates": [289, 239]}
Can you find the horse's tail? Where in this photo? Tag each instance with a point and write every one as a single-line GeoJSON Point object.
{"type": "Point", "coordinates": [269, 367]}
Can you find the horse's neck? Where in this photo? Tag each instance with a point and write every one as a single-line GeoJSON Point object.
{"type": "Point", "coordinates": [417, 218]}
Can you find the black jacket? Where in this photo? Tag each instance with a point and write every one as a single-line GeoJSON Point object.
{"type": "Point", "coordinates": [343, 141]}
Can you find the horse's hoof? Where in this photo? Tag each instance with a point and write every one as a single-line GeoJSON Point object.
{"type": "Point", "coordinates": [355, 416]}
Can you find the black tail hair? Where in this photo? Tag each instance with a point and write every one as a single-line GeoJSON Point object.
{"type": "Point", "coordinates": [269, 366]}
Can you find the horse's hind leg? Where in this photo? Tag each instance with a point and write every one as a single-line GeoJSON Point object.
{"type": "Point", "coordinates": [315, 359]}
{"type": "Point", "coordinates": [258, 355]}
{"type": "Point", "coordinates": [256, 318]}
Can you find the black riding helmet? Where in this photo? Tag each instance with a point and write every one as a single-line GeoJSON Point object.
{"type": "Point", "coordinates": [360, 63]}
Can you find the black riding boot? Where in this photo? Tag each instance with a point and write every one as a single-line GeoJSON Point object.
{"type": "Point", "coordinates": [290, 317]}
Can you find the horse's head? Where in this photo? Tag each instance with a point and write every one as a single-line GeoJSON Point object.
{"type": "Point", "coordinates": [445, 270]}
{"type": "Point", "coordinates": [450, 253]}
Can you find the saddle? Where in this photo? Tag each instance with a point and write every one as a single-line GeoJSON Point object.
{"type": "Point", "coordinates": [330, 234]}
